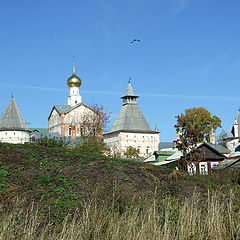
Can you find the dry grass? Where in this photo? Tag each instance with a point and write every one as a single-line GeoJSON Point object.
{"type": "Point", "coordinates": [165, 219]}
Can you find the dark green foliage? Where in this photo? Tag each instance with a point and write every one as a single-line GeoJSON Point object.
{"type": "Point", "coordinates": [4, 172]}
{"type": "Point", "coordinates": [51, 142]}
{"type": "Point", "coordinates": [90, 148]}
{"type": "Point", "coordinates": [131, 152]}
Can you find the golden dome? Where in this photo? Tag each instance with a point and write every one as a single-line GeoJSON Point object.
{"type": "Point", "coordinates": [74, 81]}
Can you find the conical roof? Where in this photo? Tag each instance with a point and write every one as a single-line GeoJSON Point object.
{"type": "Point", "coordinates": [12, 118]}
{"type": "Point", "coordinates": [130, 117]}
{"type": "Point", "coordinates": [129, 91]}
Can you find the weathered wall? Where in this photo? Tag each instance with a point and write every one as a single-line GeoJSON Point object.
{"type": "Point", "coordinates": [146, 143]}
{"type": "Point", "coordinates": [14, 136]}
{"type": "Point", "coordinates": [61, 124]}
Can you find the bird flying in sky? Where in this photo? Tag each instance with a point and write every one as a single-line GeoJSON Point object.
{"type": "Point", "coordinates": [135, 40]}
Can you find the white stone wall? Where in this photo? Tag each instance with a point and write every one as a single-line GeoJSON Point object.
{"type": "Point", "coordinates": [232, 144]}
{"type": "Point", "coordinates": [14, 136]}
{"type": "Point", "coordinates": [146, 143]}
{"type": "Point", "coordinates": [112, 141]}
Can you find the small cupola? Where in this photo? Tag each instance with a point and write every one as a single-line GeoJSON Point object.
{"type": "Point", "coordinates": [129, 97]}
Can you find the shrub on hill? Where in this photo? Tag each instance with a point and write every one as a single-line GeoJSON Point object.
{"type": "Point", "coordinates": [91, 147]}
{"type": "Point", "coordinates": [131, 152]}
{"type": "Point", "coordinates": [51, 142]}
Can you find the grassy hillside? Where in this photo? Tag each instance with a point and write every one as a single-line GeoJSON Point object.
{"type": "Point", "coordinates": [50, 193]}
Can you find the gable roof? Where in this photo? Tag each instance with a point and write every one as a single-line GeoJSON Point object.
{"type": "Point", "coordinates": [62, 108]}
{"type": "Point", "coordinates": [12, 118]}
{"type": "Point", "coordinates": [67, 108]}
{"type": "Point", "coordinates": [219, 148]}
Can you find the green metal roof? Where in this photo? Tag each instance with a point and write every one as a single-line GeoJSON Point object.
{"type": "Point", "coordinates": [40, 130]}
{"type": "Point", "coordinates": [163, 155]}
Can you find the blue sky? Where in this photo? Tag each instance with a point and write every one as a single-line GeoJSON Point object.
{"type": "Point", "coordinates": [188, 56]}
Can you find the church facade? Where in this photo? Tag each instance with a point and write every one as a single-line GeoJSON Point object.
{"type": "Point", "coordinates": [13, 129]}
{"type": "Point", "coordinates": [131, 129]}
{"type": "Point", "coordinates": [232, 140]}
{"type": "Point", "coordinates": [74, 119]}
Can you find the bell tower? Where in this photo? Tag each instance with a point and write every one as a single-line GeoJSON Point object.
{"type": "Point", "coordinates": [74, 82]}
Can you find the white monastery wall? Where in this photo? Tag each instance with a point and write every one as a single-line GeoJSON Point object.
{"type": "Point", "coordinates": [14, 136]}
{"type": "Point", "coordinates": [146, 143]}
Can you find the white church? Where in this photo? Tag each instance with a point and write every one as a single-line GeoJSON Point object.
{"type": "Point", "coordinates": [131, 129]}
{"type": "Point", "coordinates": [70, 119]}
{"type": "Point", "coordinates": [232, 141]}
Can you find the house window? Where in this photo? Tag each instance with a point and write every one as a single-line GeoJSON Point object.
{"type": "Point", "coordinates": [147, 150]}
{"type": "Point", "coordinates": [127, 136]}
{"type": "Point", "coordinates": [6, 133]}
{"type": "Point", "coordinates": [191, 169]}
{"type": "Point", "coordinates": [203, 168]}
{"type": "Point", "coordinates": [135, 136]}
{"type": "Point", "coordinates": [75, 101]}
{"type": "Point", "coordinates": [81, 131]}
{"type": "Point", "coordinates": [213, 164]}
{"type": "Point", "coordinates": [69, 131]}
{"type": "Point", "coordinates": [14, 133]}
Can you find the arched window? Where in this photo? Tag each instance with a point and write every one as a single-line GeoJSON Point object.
{"type": "Point", "coordinates": [81, 131]}
{"type": "Point", "coordinates": [147, 150]}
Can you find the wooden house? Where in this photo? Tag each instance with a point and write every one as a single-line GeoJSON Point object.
{"type": "Point", "coordinates": [209, 157]}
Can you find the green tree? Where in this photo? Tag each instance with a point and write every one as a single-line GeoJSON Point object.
{"type": "Point", "coordinates": [198, 118]}
{"type": "Point", "coordinates": [192, 127]}
{"type": "Point", "coordinates": [131, 152]}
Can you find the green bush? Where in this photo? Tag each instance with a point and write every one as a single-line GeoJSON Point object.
{"type": "Point", "coordinates": [91, 148]}
{"type": "Point", "coordinates": [52, 143]}
{"type": "Point", "coordinates": [131, 152]}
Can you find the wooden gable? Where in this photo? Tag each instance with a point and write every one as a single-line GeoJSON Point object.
{"type": "Point", "coordinates": [210, 153]}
